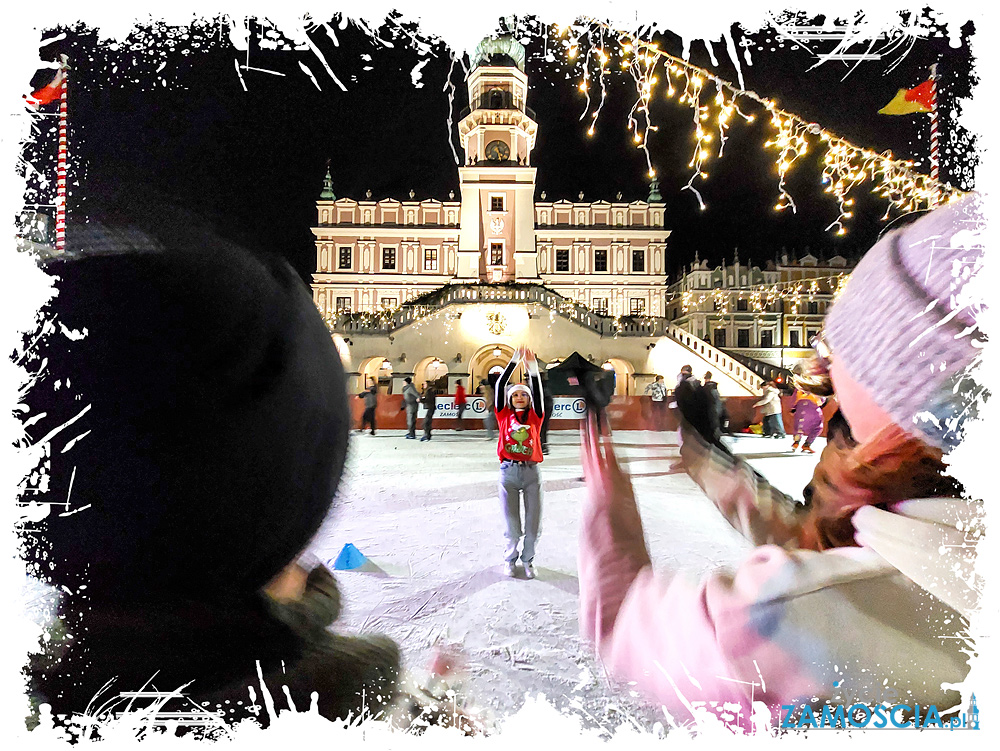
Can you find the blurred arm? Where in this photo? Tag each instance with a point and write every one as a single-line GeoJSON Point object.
{"type": "Point", "coordinates": [755, 508]}
{"type": "Point", "coordinates": [535, 379]}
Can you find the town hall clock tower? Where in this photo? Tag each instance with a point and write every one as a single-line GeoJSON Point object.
{"type": "Point", "coordinates": [497, 240]}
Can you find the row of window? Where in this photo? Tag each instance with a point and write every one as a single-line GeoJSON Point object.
{"type": "Point", "coordinates": [386, 303]}
{"type": "Point", "coordinates": [601, 260]}
{"type": "Point", "coordinates": [743, 306]}
{"type": "Point", "coordinates": [345, 258]}
{"type": "Point", "coordinates": [775, 307]}
{"type": "Point", "coordinates": [545, 219]}
{"type": "Point", "coordinates": [766, 338]}
{"type": "Point", "coordinates": [636, 305]}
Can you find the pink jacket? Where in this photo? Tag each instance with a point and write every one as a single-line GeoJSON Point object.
{"type": "Point", "coordinates": [788, 625]}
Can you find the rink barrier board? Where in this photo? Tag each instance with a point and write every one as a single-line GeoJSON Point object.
{"type": "Point", "coordinates": [624, 412]}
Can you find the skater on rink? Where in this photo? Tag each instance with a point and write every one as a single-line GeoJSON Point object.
{"type": "Point", "coordinates": [808, 410]}
{"type": "Point", "coordinates": [489, 417]}
{"type": "Point", "coordinates": [520, 411]}
{"type": "Point", "coordinates": [657, 391]}
{"type": "Point", "coordinates": [411, 399]}
{"type": "Point", "coordinates": [460, 402]}
{"type": "Point", "coordinates": [429, 400]}
{"type": "Point", "coordinates": [770, 409]}
{"type": "Point", "coordinates": [370, 395]}
{"type": "Point", "coordinates": [860, 590]}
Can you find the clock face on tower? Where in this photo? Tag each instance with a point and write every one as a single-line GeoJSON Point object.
{"type": "Point", "coordinates": [497, 151]}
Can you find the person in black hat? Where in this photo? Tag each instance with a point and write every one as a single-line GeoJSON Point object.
{"type": "Point", "coordinates": [195, 413]}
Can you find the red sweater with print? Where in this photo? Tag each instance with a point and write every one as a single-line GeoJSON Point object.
{"type": "Point", "coordinates": [520, 434]}
{"type": "Point", "coordinates": [520, 441]}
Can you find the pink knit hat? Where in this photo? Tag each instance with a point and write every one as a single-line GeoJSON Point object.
{"type": "Point", "coordinates": [904, 329]}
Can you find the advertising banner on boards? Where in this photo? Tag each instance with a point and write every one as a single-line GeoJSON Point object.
{"type": "Point", "coordinates": [563, 408]}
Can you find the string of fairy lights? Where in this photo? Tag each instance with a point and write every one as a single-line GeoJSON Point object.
{"type": "Point", "coordinates": [761, 298]}
{"type": "Point", "coordinates": [846, 166]}
{"type": "Point", "coordinates": [715, 105]}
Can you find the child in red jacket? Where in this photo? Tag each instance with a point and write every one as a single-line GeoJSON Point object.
{"type": "Point", "coordinates": [520, 411]}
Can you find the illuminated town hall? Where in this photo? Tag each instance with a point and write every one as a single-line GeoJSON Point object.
{"type": "Point", "coordinates": [445, 290]}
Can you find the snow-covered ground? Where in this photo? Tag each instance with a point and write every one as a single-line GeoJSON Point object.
{"type": "Point", "coordinates": [427, 516]}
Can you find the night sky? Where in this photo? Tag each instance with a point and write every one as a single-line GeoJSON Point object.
{"type": "Point", "coordinates": [165, 113]}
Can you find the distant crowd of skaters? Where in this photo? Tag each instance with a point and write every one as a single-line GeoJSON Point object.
{"type": "Point", "coordinates": [807, 408]}
{"type": "Point", "coordinates": [413, 398]}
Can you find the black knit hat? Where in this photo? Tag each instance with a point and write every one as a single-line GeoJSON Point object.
{"type": "Point", "coordinates": [208, 407]}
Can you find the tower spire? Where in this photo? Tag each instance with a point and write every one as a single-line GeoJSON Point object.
{"type": "Point", "coordinates": [654, 191]}
{"type": "Point", "coordinates": [327, 193]}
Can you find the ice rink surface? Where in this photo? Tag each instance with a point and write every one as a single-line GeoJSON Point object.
{"type": "Point", "coordinates": [427, 517]}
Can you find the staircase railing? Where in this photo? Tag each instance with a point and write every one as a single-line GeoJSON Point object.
{"type": "Point", "coordinates": [604, 326]}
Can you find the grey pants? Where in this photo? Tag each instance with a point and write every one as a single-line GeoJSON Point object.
{"type": "Point", "coordinates": [411, 419]}
{"type": "Point", "coordinates": [517, 480]}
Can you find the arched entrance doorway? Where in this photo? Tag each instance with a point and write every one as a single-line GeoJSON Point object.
{"type": "Point", "coordinates": [377, 370]}
{"type": "Point", "coordinates": [491, 359]}
{"type": "Point", "coordinates": [433, 370]}
{"type": "Point", "coordinates": [624, 375]}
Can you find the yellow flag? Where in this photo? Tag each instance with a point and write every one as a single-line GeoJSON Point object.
{"type": "Point", "coordinates": [908, 101]}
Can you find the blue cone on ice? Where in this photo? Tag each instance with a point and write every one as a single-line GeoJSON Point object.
{"type": "Point", "coordinates": [350, 558]}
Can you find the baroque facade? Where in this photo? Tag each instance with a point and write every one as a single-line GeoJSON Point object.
{"type": "Point", "coordinates": [769, 314]}
{"type": "Point", "coordinates": [446, 290]}
{"type": "Point", "coordinates": [377, 255]}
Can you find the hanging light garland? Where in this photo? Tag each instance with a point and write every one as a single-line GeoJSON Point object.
{"type": "Point", "coordinates": [762, 296]}
{"type": "Point", "coordinates": [845, 165]}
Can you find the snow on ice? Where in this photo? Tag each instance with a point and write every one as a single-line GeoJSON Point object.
{"type": "Point", "coordinates": [427, 517]}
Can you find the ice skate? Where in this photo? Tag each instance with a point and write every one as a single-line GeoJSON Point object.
{"type": "Point", "coordinates": [509, 569]}
{"type": "Point", "coordinates": [529, 571]}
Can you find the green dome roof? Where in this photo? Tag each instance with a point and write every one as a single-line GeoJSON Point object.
{"type": "Point", "coordinates": [503, 50]}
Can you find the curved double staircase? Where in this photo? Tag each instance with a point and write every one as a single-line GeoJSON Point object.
{"type": "Point", "coordinates": [651, 327]}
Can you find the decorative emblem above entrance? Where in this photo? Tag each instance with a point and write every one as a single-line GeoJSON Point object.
{"type": "Point", "coordinates": [496, 225]}
{"type": "Point", "coordinates": [496, 323]}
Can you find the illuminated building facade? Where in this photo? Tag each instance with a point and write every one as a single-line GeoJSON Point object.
{"type": "Point", "coordinates": [443, 290]}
